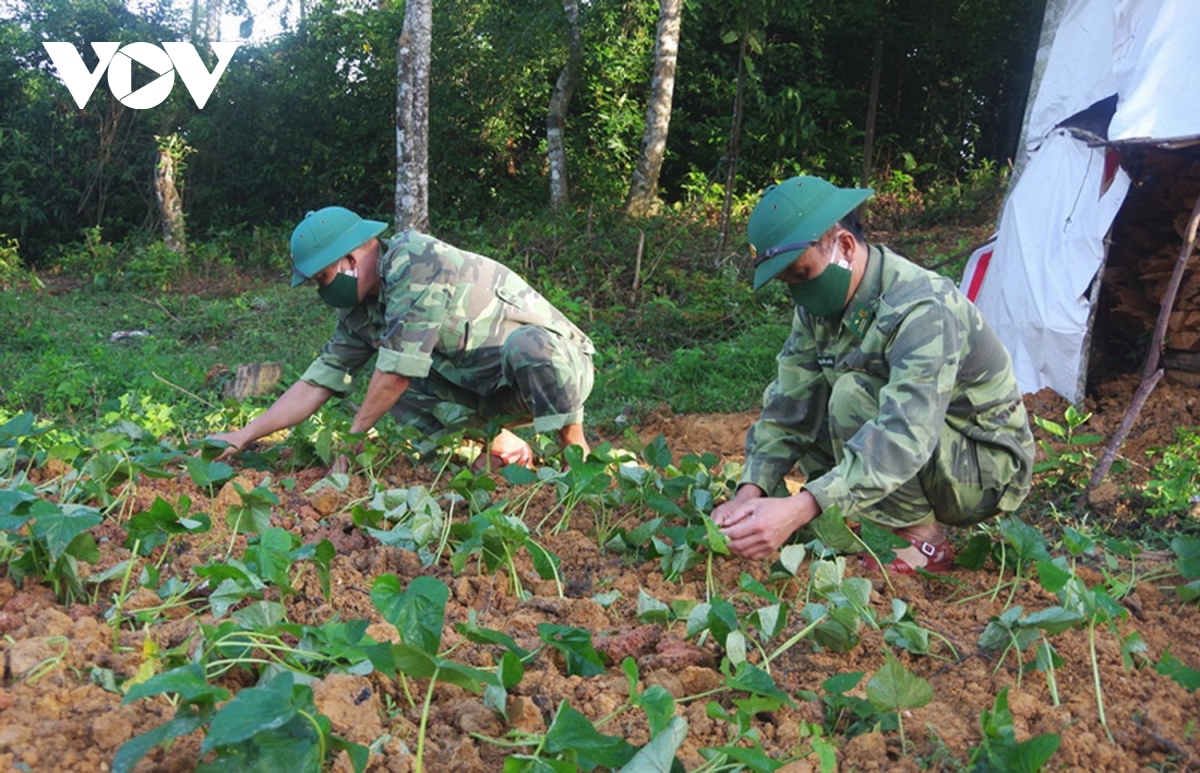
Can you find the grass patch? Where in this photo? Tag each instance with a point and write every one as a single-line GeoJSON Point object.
{"type": "Point", "coordinates": [70, 354]}
{"type": "Point", "coordinates": [725, 377]}
{"type": "Point", "coordinates": [681, 328]}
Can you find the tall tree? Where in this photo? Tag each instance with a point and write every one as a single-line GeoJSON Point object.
{"type": "Point", "coordinates": [168, 170]}
{"type": "Point", "coordinates": [643, 191]}
{"type": "Point", "coordinates": [873, 97]}
{"type": "Point", "coordinates": [560, 100]}
{"type": "Point", "coordinates": [748, 38]}
{"type": "Point", "coordinates": [412, 117]}
{"type": "Point", "coordinates": [206, 19]}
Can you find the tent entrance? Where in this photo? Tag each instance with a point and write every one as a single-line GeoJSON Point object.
{"type": "Point", "coordinates": [1145, 240]}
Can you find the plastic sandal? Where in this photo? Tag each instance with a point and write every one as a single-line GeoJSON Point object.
{"type": "Point", "coordinates": [941, 557]}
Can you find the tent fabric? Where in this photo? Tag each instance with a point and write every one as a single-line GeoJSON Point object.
{"type": "Point", "coordinates": [1144, 51]}
{"type": "Point", "coordinates": [1156, 63]}
{"type": "Point", "coordinates": [1049, 245]}
{"type": "Point", "coordinates": [1078, 70]}
{"type": "Point", "coordinates": [1050, 241]}
{"type": "Point", "coordinates": [976, 270]}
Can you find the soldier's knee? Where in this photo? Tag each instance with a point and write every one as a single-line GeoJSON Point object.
{"type": "Point", "coordinates": [527, 345]}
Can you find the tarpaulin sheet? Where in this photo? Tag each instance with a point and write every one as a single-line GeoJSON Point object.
{"type": "Point", "coordinates": [1144, 51]}
{"type": "Point", "coordinates": [1048, 248]}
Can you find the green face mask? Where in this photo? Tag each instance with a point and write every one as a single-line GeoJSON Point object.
{"type": "Point", "coordinates": [342, 292]}
{"type": "Point", "coordinates": [824, 295]}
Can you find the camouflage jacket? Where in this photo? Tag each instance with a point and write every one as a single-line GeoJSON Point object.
{"type": "Point", "coordinates": [941, 363]}
{"type": "Point", "coordinates": [439, 309]}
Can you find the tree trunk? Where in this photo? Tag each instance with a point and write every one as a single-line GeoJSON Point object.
{"type": "Point", "coordinates": [873, 102]}
{"type": "Point", "coordinates": [643, 190]}
{"type": "Point", "coordinates": [412, 117]}
{"type": "Point", "coordinates": [560, 100]}
{"type": "Point", "coordinates": [735, 135]}
{"type": "Point", "coordinates": [212, 19]}
{"type": "Point", "coordinates": [170, 203]}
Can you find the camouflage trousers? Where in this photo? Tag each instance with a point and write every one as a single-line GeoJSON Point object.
{"type": "Point", "coordinates": [948, 489]}
{"type": "Point", "coordinates": [544, 377]}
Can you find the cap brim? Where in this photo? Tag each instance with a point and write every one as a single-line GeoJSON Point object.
{"type": "Point", "coordinates": [362, 232]}
{"type": "Point", "coordinates": [836, 206]}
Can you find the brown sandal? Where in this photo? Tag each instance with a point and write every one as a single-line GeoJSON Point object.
{"type": "Point", "coordinates": [941, 557]}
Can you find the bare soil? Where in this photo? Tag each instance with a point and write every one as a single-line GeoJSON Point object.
{"type": "Point", "coordinates": [53, 717]}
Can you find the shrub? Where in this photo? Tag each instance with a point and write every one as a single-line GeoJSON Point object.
{"type": "Point", "coordinates": [1172, 487]}
{"type": "Point", "coordinates": [12, 271]}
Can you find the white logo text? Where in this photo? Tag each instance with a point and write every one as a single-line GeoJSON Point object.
{"type": "Point", "coordinates": [118, 61]}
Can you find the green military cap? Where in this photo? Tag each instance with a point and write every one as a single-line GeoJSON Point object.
{"type": "Point", "coordinates": [791, 216]}
{"type": "Point", "coordinates": [326, 235]}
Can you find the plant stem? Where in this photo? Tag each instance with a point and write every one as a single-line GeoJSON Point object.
{"type": "Point", "coordinates": [518, 589]}
{"type": "Point", "coordinates": [1012, 592]}
{"type": "Point", "coordinates": [121, 594]}
{"type": "Point", "coordinates": [1096, 680]}
{"type": "Point", "coordinates": [803, 632]}
{"type": "Point", "coordinates": [1003, 565]}
{"type": "Point", "coordinates": [444, 537]}
{"type": "Point", "coordinates": [317, 727]}
{"type": "Point", "coordinates": [1051, 677]}
{"type": "Point", "coordinates": [418, 763]}
{"type": "Point", "coordinates": [883, 569]}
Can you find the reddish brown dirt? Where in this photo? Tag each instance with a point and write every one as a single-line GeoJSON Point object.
{"type": "Point", "coordinates": [53, 717]}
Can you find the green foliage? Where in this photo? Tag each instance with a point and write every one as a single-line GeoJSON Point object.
{"type": "Point", "coordinates": [418, 612]}
{"type": "Point", "coordinates": [156, 526]}
{"type": "Point", "coordinates": [895, 688]}
{"type": "Point", "coordinates": [1000, 751]}
{"type": "Point", "coordinates": [60, 167]}
{"type": "Point", "coordinates": [268, 561]}
{"type": "Point", "coordinates": [1172, 487]}
{"type": "Point", "coordinates": [271, 726]}
{"type": "Point", "coordinates": [1173, 667]}
{"type": "Point", "coordinates": [849, 715]}
{"type": "Point", "coordinates": [1067, 455]}
{"type": "Point", "coordinates": [60, 356]}
{"type": "Point", "coordinates": [573, 743]}
{"type": "Point", "coordinates": [44, 540]}
{"type": "Point", "coordinates": [1187, 563]}
{"type": "Point", "coordinates": [897, 202]}
{"type": "Point", "coordinates": [155, 267]}
{"type": "Point", "coordinates": [493, 72]}
{"type": "Point", "coordinates": [497, 537]}
{"type": "Point", "coordinates": [12, 271]}
{"type": "Point", "coordinates": [1011, 631]}
{"type": "Point", "coordinates": [575, 645]}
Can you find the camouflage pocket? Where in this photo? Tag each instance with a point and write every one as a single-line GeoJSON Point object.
{"type": "Point", "coordinates": [454, 337]}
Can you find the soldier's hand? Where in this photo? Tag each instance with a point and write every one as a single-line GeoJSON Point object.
{"type": "Point", "coordinates": [729, 513]}
{"type": "Point", "coordinates": [233, 441]}
{"type": "Point", "coordinates": [757, 527]}
{"type": "Point", "coordinates": [340, 464]}
{"type": "Point", "coordinates": [508, 448]}
{"type": "Point", "coordinates": [345, 459]}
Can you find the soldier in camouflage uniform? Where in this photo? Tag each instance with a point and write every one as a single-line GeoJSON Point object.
{"type": "Point", "coordinates": [893, 396]}
{"type": "Point", "coordinates": [457, 338]}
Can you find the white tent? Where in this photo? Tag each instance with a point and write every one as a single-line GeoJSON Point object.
{"type": "Point", "coordinates": [1034, 283]}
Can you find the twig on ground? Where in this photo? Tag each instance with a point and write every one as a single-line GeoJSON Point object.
{"type": "Point", "coordinates": [158, 303]}
{"type": "Point", "coordinates": [192, 395]}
